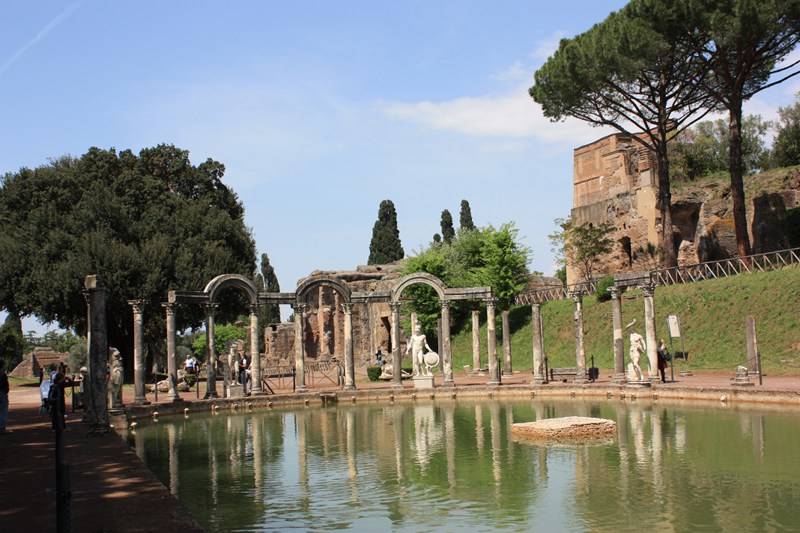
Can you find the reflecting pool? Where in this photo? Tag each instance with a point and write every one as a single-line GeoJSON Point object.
{"type": "Point", "coordinates": [454, 466]}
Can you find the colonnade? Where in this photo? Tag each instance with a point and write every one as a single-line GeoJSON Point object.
{"type": "Point", "coordinates": [538, 372]}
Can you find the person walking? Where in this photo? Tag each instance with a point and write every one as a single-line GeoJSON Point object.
{"type": "Point", "coordinates": [662, 359]}
{"type": "Point", "coordinates": [4, 389]}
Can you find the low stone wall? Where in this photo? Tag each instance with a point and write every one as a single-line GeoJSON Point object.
{"type": "Point", "coordinates": [566, 429]}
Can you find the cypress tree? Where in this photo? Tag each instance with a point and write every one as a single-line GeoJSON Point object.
{"type": "Point", "coordinates": [437, 238]}
{"type": "Point", "coordinates": [385, 246]}
{"type": "Point", "coordinates": [270, 284]}
{"type": "Point", "coordinates": [448, 232]}
{"type": "Point", "coordinates": [465, 217]}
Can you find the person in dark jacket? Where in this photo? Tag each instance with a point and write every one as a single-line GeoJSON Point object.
{"type": "Point", "coordinates": [662, 360]}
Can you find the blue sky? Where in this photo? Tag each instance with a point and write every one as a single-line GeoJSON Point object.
{"type": "Point", "coordinates": [319, 110]}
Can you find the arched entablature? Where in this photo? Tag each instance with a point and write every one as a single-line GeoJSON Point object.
{"type": "Point", "coordinates": [224, 281]}
{"type": "Point", "coordinates": [418, 278]}
{"type": "Point", "coordinates": [322, 281]}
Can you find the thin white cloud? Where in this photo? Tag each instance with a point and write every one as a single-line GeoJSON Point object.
{"type": "Point", "coordinates": [513, 114]}
{"type": "Point", "coordinates": [515, 72]}
{"type": "Point", "coordinates": [50, 26]}
{"type": "Point", "coordinates": [547, 46]}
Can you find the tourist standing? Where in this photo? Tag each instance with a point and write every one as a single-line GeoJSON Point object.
{"type": "Point", "coordinates": [4, 389]}
{"type": "Point", "coordinates": [662, 360]}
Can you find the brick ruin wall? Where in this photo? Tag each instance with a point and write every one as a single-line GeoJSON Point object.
{"type": "Point", "coordinates": [614, 181]}
{"type": "Point", "coordinates": [324, 327]}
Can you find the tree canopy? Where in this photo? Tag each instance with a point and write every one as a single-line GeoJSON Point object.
{"type": "Point", "coordinates": [488, 256]}
{"type": "Point", "coordinates": [267, 280]}
{"type": "Point", "coordinates": [385, 246]}
{"type": "Point", "coordinates": [581, 246]}
{"type": "Point", "coordinates": [144, 223]}
{"type": "Point", "coordinates": [786, 148]}
{"type": "Point", "coordinates": [633, 72]}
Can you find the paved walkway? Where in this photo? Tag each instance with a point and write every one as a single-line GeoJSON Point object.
{"type": "Point", "coordinates": [112, 489]}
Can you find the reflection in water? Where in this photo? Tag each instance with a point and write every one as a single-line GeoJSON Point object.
{"type": "Point", "coordinates": [426, 467]}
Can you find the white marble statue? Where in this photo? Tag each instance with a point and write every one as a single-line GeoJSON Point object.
{"type": "Point", "coordinates": [638, 347]}
{"type": "Point", "coordinates": [416, 345]}
{"type": "Point", "coordinates": [117, 377]}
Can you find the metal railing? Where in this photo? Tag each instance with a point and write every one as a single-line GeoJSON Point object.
{"type": "Point", "coordinates": [725, 268]}
{"type": "Point", "coordinates": [722, 268]}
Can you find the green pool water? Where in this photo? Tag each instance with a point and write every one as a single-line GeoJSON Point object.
{"type": "Point", "coordinates": [454, 466]}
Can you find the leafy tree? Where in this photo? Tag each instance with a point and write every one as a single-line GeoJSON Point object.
{"type": "Point", "coordinates": [786, 148]}
{"type": "Point", "coordinates": [703, 149]}
{"type": "Point", "coordinates": [266, 280]}
{"type": "Point", "coordinates": [448, 232]}
{"type": "Point", "coordinates": [505, 263]}
{"type": "Point", "coordinates": [465, 217]}
{"type": "Point", "coordinates": [385, 246]}
{"type": "Point", "coordinates": [144, 223]}
{"type": "Point", "coordinates": [78, 357]}
{"type": "Point", "coordinates": [437, 239]}
{"type": "Point", "coordinates": [635, 73]}
{"type": "Point", "coordinates": [561, 274]}
{"type": "Point", "coordinates": [483, 257]}
{"type": "Point", "coordinates": [224, 335]}
{"type": "Point", "coordinates": [603, 285]}
{"type": "Point", "coordinates": [11, 341]}
{"type": "Point", "coordinates": [581, 246]}
{"type": "Point", "coordinates": [743, 43]}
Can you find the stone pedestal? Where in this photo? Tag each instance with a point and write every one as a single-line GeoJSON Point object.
{"type": "Point", "coordinates": [235, 391]}
{"type": "Point", "coordinates": [423, 382]}
{"type": "Point", "coordinates": [644, 384]}
{"type": "Point", "coordinates": [742, 378]}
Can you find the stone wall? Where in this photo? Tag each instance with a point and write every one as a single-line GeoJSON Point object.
{"type": "Point", "coordinates": [614, 182]}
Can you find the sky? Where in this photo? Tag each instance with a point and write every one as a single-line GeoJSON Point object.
{"type": "Point", "coordinates": [319, 110]}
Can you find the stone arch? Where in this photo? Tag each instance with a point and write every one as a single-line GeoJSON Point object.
{"type": "Point", "coordinates": [325, 281]}
{"type": "Point", "coordinates": [418, 278]}
{"type": "Point", "coordinates": [232, 280]}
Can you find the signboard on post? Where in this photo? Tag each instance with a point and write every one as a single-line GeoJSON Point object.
{"type": "Point", "coordinates": [674, 326]}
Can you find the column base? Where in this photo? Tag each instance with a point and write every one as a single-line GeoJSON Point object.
{"type": "Point", "coordinates": [258, 393]}
{"type": "Point", "coordinates": [349, 387]}
{"type": "Point", "coordinates": [301, 388]}
{"type": "Point", "coordinates": [493, 383]}
{"type": "Point", "coordinates": [449, 384]}
{"type": "Point", "coordinates": [539, 381]}
{"type": "Point", "coordinates": [619, 378]}
{"type": "Point", "coordinates": [580, 380]}
{"type": "Point", "coordinates": [140, 401]}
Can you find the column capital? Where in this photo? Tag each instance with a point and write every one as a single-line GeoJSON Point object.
{"type": "Point", "coordinates": [491, 302]}
{"type": "Point", "coordinates": [536, 305]}
{"type": "Point", "coordinates": [299, 308]}
{"type": "Point", "coordinates": [395, 306]}
{"type": "Point", "coordinates": [576, 295]}
{"type": "Point", "coordinates": [648, 289]}
{"type": "Point", "coordinates": [169, 307]}
{"type": "Point", "coordinates": [137, 305]}
{"type": "Point", "coordinates": [253, 308]}
{"type": "Point", "coordinates": [614, 291]}
{"type": "Point", "coordinates": [211, 308]}
{"type": "Point", "coordinates": [347, 308]}
{"type": "Point", "coordinates": [445, 304]}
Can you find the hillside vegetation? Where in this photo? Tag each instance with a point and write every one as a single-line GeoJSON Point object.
{"type": "Point", "coordinates": [711, 313]}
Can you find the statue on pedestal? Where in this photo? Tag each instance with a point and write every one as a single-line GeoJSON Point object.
{"type": "Point", "coordinates": [117, 378]}
{"type": "Point", "coordinates": [422, 361]}
{"type": "Point", "coordinates": [638, 347]}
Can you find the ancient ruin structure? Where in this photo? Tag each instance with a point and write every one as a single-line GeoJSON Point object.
{"type": "Point", "coordinates": [615, 182]}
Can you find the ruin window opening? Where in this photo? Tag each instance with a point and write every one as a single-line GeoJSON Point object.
{"type": "Point", "coordinates": [627, 250]}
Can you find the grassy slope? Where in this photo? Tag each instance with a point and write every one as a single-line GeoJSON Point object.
{"type": "Point", "coordinates": [712, 317]}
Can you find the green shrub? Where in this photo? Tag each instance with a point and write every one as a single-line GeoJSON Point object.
{"type": "Point", "coordinates": [603, 285]}
{"type": "Point", "coordinates": [373, 372]}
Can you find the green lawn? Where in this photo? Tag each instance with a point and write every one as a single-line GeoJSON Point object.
{"type": "Point", "coordinates": [712, 316]}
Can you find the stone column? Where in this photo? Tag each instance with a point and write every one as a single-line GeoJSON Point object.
{"type": "Point", "coordinates": [539, 377]}
{"type": "Point", "coordinates": [337, 339]}
{"type": "Point", "coordinates": [255, 355]}
{"type": "Point", "coordinates": [323, 350]}
{"type": "Point", "coordinates": [580, 354]}
{"type": "Point", "coordinates": [650, 328]}
{"type": "Point", "coordinates": [447, 356]}
{"type": "Point", "coordinates": [211, 353]}
{"type": "Point", "coordinates": [397, 367]}
{"type": "Point", "coordinates": [349, 360]}
{"type": "Point", "coordinates": [97, 391]}
{"type": "Point", "coordinates": [139, 397]}
{"type": "Point", "coordinates": [619, 343]}
{"type": "Point", "coordinates": [413, 323]}
{"type": "Point", "coordinates": [299, 348]}
{"type": "Point", "coordinates": [494, 370]}
{"type": "Point", "coordinates": [476, 340]}
{"type": "Point", "coordinates": [506, 342]}
{"type": "Point", "coordinates": [172, 363]}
